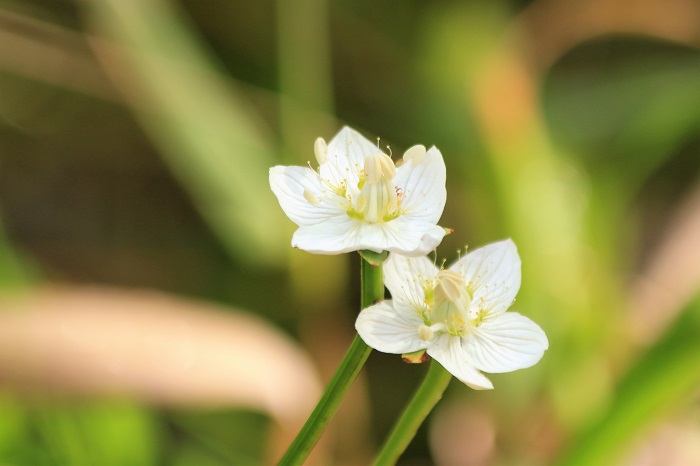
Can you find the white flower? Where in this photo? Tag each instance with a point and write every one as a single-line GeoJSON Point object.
{"type": "Point", "coordinates": [358, 199]}
{"type": "Point", "coordinates": [458, 315]}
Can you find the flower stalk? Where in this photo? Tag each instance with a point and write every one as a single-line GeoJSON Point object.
{"type": "Point", "coordinates": [427, 396]}
{"type": "Point", "coordinates": [372, 292]}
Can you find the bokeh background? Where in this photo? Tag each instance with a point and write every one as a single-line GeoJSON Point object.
{"type": "Point", "coordinates": [152, 311]}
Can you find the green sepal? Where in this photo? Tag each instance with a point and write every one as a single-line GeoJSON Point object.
{"type": "Point", "coordinates": [374, 258]}
{"type": "Point", "coordinates": [417, 357]}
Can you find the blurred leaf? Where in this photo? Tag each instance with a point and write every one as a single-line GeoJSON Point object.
{"type": "Point", "coordinates": [670, 276]}
{"type": "Point", "coordinates": [305, 81]}
{"type": "Point", "coordinates": [13, 424]}
{"type": "Point", "coordinates": [191, 455]}
{"type": "Point", "coordinates": [155, 348]}
{"type": "Point", "coordinates": [661, 380]}
{"type": "Point", "coordinates": [210, 140]}
{"type": "Point", "coordinates": [624, 102]}
{"type": "Point", "coordinates": [223, 437]}
{"type": "Point", "coordinates": [13, 273]}
{"type": "Point", "coordinates": [105, 433]}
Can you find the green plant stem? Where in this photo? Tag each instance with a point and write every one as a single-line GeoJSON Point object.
{"type": "Point", "coordinates": [427, 396]}
{"type": "Point", "coordinates": [372, 291]}
{"type": "Point", "coordinates": [372, 284]}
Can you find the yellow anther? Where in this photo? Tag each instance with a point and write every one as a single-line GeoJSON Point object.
{"type": "Point", "coordinates": [311, 198]}
{"type": "Point", "coordinates": [377, 200]}
{"type": "Point", "coordinates": [378, 166]}
{"type": "Point", "coordinates": [425, 333]}
{"type": "Point", "coordinates": [415, 153]}
{"type": "Point", "coordinates": [450, 286]}
{"type": "Point", "coordinates": [321, 151]}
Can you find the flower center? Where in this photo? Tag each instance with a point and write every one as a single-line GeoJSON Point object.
{"type": "Point", "coordinates": [378, 200]}
{"type": "Point", "coordinates": [451, 305]}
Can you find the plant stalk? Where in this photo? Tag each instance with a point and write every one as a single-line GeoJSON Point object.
{"type": "Point", "coordinates": [427, 396]}
{"type": "Point", "coordinates": [372, 291]}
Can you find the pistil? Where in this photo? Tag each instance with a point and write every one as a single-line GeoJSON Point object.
{"type": "Point", "coordinates": [452, 302]}
{"type": "Point", "coordinates": [377, 200]}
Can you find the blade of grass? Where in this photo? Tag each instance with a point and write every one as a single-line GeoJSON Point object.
{"type": "Point", "coordinates": [206, 135]}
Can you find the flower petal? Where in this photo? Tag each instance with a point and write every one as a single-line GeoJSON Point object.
{"type": "Point", "coordinates": [289, 185]}
{"type": "Point", "coordinates": [447, 350]}
{"type": "Point", "coordinates": [411, 237]}
{"type": "Point", "coordinates": [422, 182]}
{"type": "Point", "coordinates": [405, 277]}
{"type": "Point", "coordinates": [336, 235]}
{"type": "Point", "coordinates": [493, 276]}
{"type": "Point", "coordinates": [390, 329]}
{"type": "Point", "coordinates": [506, 343]}
{"type": "Point", "coordinates": [342, 234]}
{"type": "Point", "coordinates": [346, 157]}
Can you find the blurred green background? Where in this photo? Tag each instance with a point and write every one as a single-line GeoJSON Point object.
{"type": "Point", "coordinates": [154, 313]}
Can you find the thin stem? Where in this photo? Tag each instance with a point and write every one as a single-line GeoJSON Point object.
{"type": "Point", "coordinates": [372, 291]}
{"type": "Point", "coordinates": [427, 396]}
{"type": "Point", "coordinates": [372, 284]}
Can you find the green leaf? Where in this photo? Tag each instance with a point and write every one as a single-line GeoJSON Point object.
{"type": "Point", "coordinates": [661, 380]}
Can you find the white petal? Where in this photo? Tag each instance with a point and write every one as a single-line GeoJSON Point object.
{"type": "Point", "coordinates": [506, 343]}
{"type": "Point", "coordinates": [289, 185]}
{"type": "Point", "coordinates": [422, 182]}
{"type": "Point", "coordinates": [493, 276]}
{"type": "Point", "coordinates": [342, 234]}
{"type": "Point", "coordinates": [346, 156]}
{"type": "Point", "coordinates": [336, 235]}
{"type": "Point", "coordinates": [411, 237]}
{"type": "Point", "coordinates": [405, 277]}
{"type": "Point", "coordinates": [390, 330]}
{"type": "Point", "coordinates": [447, 350]}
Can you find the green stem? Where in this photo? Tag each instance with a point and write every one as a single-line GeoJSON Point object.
{"type": "Point", "coordinates": [372, 284]}
{"type": "Point", "coordinates": [372, 291]}
{"type": "Point", "coordinates": [427, 396]}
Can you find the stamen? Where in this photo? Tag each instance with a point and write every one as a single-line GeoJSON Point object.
{"type": "Point", "coordinates": [425, 333]}
{"type": "Point", "coordinates": [415, 153]}
{"type": "Point", "coordinates": [378, 166]}
{"type": "Point", "coordinates": [450, 286]}
{"type": "Point", "coordinates": [310, 197]}
{"type": "Point", "coordinates": [388, 167]}
{"type": "Point", "coordinates": [321, 151]}
{"type": "Point", "coordinates": [377, 200]}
